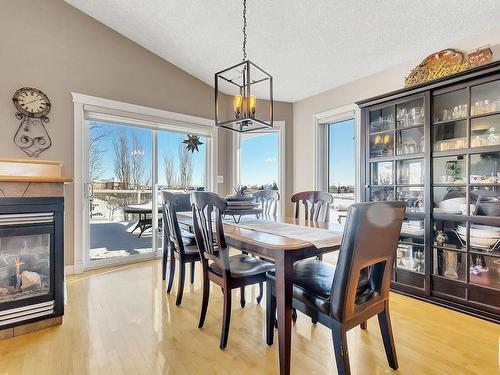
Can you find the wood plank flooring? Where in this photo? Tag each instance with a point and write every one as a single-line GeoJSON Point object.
{"type": "Point", "coordinates": [120, 321]}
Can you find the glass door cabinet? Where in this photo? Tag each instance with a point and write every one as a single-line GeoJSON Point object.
{"type": "Point", "coordinates": [437, 149]}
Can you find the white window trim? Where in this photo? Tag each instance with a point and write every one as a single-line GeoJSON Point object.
{"type": "Point", "coordinates": [321, 144]}
{"type": "Point", "coordinates": [278, 127]}
{"type": "Point", "coordinates": [162, 120]}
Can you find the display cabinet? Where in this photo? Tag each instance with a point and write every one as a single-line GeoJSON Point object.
{"type": "Point", "coordinates": [437, 148]}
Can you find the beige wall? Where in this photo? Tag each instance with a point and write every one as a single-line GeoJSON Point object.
{"type": "Point", "coordinates": [376, 84]}
{"type": "Point", "coordinates": [58, 49]}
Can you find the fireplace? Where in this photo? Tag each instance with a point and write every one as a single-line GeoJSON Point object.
{"type": "Point", "coordinates": [31, 260]}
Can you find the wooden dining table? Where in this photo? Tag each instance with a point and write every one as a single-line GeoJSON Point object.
{"type": "Point", "coordinates": [283, 251]}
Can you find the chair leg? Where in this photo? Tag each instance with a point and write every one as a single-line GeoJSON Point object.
{"type": "Point", "coordinates": [270, 313]}
{"type": "Point", "coordinates": [314, 321]}
{"type": "Point", "coordinates": [261, 292]}
{"type": "Point", "coordinates": [294, 315]}
{"type": "Point", "coordinates": [226, 318]}
{"type": "Point", "coordinates": [242, 296]}
{"type": "Point", "coordinates": [386, 330]}
{"type": "Point", "coordinates": [341, 353]}
{"type": "Point", "coordinates": [192, 273]}
{"type": "Point", "coordinates": [171, 272]}
{"type": "Point", "coordinates": [363, 325]}
{"type": "Point", "coordinates": [204, 301]}
{"type": "Point", "coordinates": [180, 286]}
{"type": "Point", "coordinates": [164, 263]}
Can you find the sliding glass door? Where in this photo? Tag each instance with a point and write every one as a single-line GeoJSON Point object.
{"type": "Point", "coordinates": [128, 166]}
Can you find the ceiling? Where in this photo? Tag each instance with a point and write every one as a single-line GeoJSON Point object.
{"type": "Point", "coordinates": [308, 46]}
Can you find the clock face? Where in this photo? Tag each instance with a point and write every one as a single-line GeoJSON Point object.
{"type": "Point", "coordinates": [31, 102]}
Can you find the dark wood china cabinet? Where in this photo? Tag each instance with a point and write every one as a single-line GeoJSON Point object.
{"type": "Point", "coordinates": [436, 146]}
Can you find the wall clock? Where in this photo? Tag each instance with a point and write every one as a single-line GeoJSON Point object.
{"type": "Point", "coordinates": [32, 107]}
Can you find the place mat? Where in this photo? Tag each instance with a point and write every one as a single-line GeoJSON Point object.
{"type": "Point", "coordinates": [320, 238]}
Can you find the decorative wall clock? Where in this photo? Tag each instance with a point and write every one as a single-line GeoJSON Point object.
{"type": "Point", "coordinates": [32, 107]}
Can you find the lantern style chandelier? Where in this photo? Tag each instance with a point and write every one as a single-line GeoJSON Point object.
{"type": "Point", "coordinates": [244, 83]}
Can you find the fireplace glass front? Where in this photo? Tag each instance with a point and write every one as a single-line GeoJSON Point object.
{"type": "Point", "coordinates": [24, 266]}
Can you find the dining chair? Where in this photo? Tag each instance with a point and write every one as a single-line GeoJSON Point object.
{"type": "Point", "coordinates": [357, 288]}
{"type": "Point", "coordinates": [316, 205]}
{"type": "Point", "coordinates": [316, 208]}
{"type": "Point", "coordinates": [268, 201]}
{"type": "Point", "coordinates": [229, 272]}
{"type": "Point", "coordinates": [179, 248]}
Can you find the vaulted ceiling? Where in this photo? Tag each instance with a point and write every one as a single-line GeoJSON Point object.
{"type": "Point", "coordinates": [309, 46]}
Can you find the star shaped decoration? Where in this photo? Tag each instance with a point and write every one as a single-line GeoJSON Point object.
{"type": "Point", "coordinates": [192, 142]}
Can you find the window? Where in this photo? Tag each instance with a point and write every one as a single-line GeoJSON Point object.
{"type": "Point", "coordinates": [341, 167]}
{"type": "Point", "coordinates": [259, 160]}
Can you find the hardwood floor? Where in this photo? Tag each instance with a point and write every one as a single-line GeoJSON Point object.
{"type": "Point", "coordinates": [120, 321]}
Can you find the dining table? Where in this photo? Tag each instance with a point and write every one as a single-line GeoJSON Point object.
{"type": "Point", "coordinates": [284, 250]}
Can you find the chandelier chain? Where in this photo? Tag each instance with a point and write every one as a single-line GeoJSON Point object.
{"type": "Point", "coordinates": [244, 30]}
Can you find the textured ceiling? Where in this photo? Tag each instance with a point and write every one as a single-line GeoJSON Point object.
{"type": "Point", "coordinates": [309, 46]}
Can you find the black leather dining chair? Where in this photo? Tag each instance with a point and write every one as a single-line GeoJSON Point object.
{"type": "Point", "coordinates": [229, 272]}
{"type": "Point", "coordinates": [176, 245]}
{"type": "Point", "coordinates": [357, 288]}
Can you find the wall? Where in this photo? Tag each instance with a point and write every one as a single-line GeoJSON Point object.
{"type": "Point", "coordinates": [376, 84]}
{"type": "Point", "coordinates": [55, 47]}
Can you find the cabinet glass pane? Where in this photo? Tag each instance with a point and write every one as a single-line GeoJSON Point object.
{"type": "Point", "coordinates": [450, 136]}
{"type": "Point", "coordinates": [410, 257]}
{"type": "Point", "coordinates": [485, 98]}
{"type": "Point", "coordinates": [450, 106]}
{"type": "Point", "coordinates": [410, 172]}
{"type": "Point", "coordinates": [485, 271]}
{"type": "Point", "coordinates": [450, 200]}
{"type": "Point", "coordinates": [379, 194]}
{"type": "Point", "coordinates": [413, 198]}
{"type": "Point", "coordinates": [449, 234]}
{"type": "Point", "coordinates": [410, 141]}
{"type": "Point", "coordinates": [382, 119]}
{"type": "Point", "coordinates": [449, 170]}
{"type": "Point", "coordinates": [485, 168]}
{"type": "Point", "coordinates": [485, 201]}
{"type": "Point", "coordinates": [410, 113]}
{"type": "Point", "coordinates": [412, 231]}
{"type": "Point", "coordinates": [449, 264]}
{"type": "Point", "coordinates": [482, 237]}
{"type": "Point", "coordinates": [485, 131]}
{"type": "Point", "coordinates": [382, 145]}
{"type": "Point", "coordinates": [382, 173]}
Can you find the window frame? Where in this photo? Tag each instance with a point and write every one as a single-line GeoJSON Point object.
{"type": "Point", "coordinates": [322, 121]}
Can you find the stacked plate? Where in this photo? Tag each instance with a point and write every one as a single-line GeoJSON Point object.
{"type": "Point", "coordinates": [481, 236]}
{"type": "Point", "coordinates": [413, 228]}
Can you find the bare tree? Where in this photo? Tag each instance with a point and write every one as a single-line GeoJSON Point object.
{"type": "Point", "coordinates": [137, 163]}
{"type": "Point", "coordinates": [121, 159]}
{"type": "Point", "coordinates": [98, 133]}
{"type": "Point", "coordinates": [185, 167]}
{"type": "Point", "coordinates": [169, 167]}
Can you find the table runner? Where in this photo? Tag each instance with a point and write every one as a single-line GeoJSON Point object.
{"type": "Point", "coordinates": [320, 238]}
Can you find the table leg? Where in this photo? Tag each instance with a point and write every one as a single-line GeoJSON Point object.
{"type": "Point", "coordinates": [284, 293]}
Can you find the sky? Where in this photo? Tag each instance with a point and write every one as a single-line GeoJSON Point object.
{"type": "Point", "coordinates": [259, 159]}
{"type": "Point", "coordinates": [259, 154]}
{"type": "Point", "coordinates": [168, 143]}
{"type": "Point", "coordinates": [341, 150]}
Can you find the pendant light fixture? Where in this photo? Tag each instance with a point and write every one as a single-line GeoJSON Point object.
{"type": "Point", "coordinates": [244, 83]}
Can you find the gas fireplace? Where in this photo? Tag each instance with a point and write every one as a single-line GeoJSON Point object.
{"type": "Point", "coordinates": [31, 260]}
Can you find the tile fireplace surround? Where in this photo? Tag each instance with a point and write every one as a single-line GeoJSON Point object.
{"type": "Point", "coordinates": [31, 246]}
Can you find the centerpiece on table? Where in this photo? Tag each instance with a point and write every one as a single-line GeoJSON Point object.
{"type": "Point", "coordinates": [241, 200]}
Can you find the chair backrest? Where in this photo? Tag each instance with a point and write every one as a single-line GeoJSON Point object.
{"type": "Point", "coordinates": [316, 205]}
{"type": "Point", "coordinates": [370, 240]}
{"type": "Point", "coordinates": [171, 231]}
{"type": "Point", "coordinates": [208, 209]}
{"type": "Point", "coordinates": [268, 200]}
